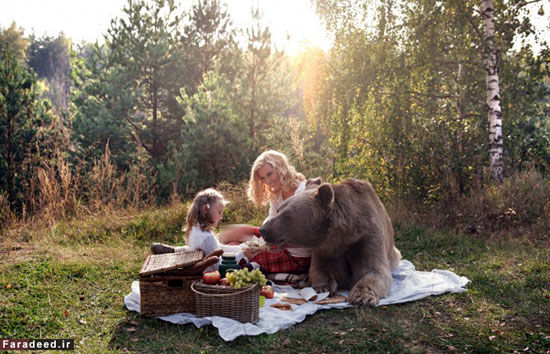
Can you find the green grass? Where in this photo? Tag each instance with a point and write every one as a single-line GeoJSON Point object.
{"type": "Point", "coordinates": [68, 281]}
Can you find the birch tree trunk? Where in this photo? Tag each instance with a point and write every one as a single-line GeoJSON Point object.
{"type": "Point", "coordinates": [493, 95]}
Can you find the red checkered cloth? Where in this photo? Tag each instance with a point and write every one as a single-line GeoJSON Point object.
{"type": "Point", "coordinates": [282, 262]}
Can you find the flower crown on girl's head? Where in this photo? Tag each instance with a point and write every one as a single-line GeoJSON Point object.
{"type": "Point", "coordinates": [196, 214]}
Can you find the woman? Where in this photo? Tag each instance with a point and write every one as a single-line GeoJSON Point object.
{"type": "Point", "coordinates": [273, 180]}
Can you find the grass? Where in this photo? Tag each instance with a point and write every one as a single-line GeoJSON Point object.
{"type": "Point", "coordinates": [68, 280]}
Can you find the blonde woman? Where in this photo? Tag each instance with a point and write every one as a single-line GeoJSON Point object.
{"type": "Point", "coordinates": [273, 180]}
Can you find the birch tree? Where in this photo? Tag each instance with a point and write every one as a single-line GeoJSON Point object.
{"type": "Point", "coordinates": [493, 95]}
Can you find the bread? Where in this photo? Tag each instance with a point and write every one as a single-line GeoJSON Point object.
{"type": "Point", "coordinates": [282, 307]}
{"type": "Point", "coordinates": [203, 264]}
{"type": "Point", "coordinates": [294, 300]}
{"type": "Point", "coordinates": [217, 252]}
{"type": "Point", "coordinates": [336, 299]}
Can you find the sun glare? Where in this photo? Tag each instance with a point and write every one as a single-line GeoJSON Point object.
{"type": "Point", "coordinates": [294, 24]}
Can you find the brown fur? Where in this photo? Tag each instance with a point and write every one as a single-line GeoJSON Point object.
{"type": "Point", "coordinates": [350, 233]}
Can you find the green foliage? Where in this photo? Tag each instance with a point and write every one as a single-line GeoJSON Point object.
{"type": "Point", "coordinates": [141, 50]}
{"type": "Point", "coordinates": [13, 37]}
{"type": "Point", "coordinates": [527, 106]}
{"type": "Point", "coordinates": [404, 101]}
{"type": "Point", "coordinates": [214, 139]}
{"type": "Point", "coordinates": [23, 130]}
{"type": "Point", "coordinates": [178, 105]}
{"type": "Point", "coordinates": [99, 105]}
{"type": "Point", "coordinates": [262, 97]}
{"type": "Point", "coordinates": [207, 40]}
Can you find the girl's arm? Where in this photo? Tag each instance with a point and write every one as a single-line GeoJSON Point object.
{"type": "Point", "coordinates": [238, 233]}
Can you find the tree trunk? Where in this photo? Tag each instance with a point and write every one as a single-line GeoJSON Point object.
{"type": "Point", "coordinates": [493, 96]}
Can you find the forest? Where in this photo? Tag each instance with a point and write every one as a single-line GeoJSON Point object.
{"type": "Point", "coordinates": [176, 101]}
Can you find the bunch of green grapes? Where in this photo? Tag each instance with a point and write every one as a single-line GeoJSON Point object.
{"type": "Point", "coordinates": [243, 277]}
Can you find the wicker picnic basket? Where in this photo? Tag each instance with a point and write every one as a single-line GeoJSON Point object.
{"type": "Point", "coordinates": [165, 285]}
{"type": "Point", "coordinates": [242, 305]}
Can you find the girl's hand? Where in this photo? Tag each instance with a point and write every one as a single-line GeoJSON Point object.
{"type": "Point", "coordinates": [238, 233]}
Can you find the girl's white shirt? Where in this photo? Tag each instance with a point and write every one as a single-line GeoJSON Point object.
{"type": "Point", "coordinates": [273, 206]}
{"type": "Point", "coordinates": [207, 242]}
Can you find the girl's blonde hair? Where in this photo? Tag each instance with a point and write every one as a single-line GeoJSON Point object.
{"type": "Point", "coordinates": [197, 216]}
{"type": "Point", "coordinates": [259, 192]}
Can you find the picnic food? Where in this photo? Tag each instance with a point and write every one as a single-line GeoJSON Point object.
{"type": "Point", "coordinates": [308, 293]}
{"type": "Point", "coordinates": [244, 277]}
{"type": "Point", "coordinates": [224, 282]}
{"type": "Point", "coordinates": [282, 307]}
{"type": "Point", "coordinates": [336, 299]}
{"type": "Point", "coordinates": [267, 291]}
{"type": "Point", "coordinates": [256, 242]}
{"type": "Point", "coordinates": [202, 265]}
{"type": "Point", "coordinates": [294, 301]}
{"type": "Point", "coordinates": [217, 252]}
{"type": "Point", "coordinates": [211, 277]}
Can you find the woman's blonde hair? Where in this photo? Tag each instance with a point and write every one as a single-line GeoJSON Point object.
{"type": "Point", "coordinates": [197, 216]}
{"type": "Point", "coordinates": [259, 192]}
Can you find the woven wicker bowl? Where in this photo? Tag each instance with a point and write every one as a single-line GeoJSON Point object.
{"type": "Point", "coordinates": [242, 305]}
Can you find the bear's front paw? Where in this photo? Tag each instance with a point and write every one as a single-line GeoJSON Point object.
{"type": "Point", "coordinates": [362, 296]}
{"type": "Point", "coordinates": [324, 287]}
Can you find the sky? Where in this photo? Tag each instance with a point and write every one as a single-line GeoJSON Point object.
{"type": "Point", "coordinates": [293, 23]}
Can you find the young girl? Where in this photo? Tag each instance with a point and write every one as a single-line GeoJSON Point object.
{"type": "Point", "coordinates": [273, 180]}
{"type": "Point", "coordinates": [203, 217]}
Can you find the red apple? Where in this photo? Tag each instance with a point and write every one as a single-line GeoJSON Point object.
{"type": "Point", "coordinates": [211, 278]}
{"type": "Point", "coordinates": [224, 282]}
{"type": "Point", "coordinates": [267, 292]}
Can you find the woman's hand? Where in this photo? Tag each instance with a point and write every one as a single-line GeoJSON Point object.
{"type": "Point", "coordinates": [250, 253]}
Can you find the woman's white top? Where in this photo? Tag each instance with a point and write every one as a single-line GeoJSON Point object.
{"type": "Point", "coordinates": [273, 206]}
{"type": "Point", "coordinates": [207, 242]}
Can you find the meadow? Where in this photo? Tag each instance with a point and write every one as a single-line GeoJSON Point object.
{"type": "Point", "coordinates": [67, 279]}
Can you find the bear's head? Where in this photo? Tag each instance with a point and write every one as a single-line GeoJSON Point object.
{"type": "Point", "coordinates": [303, 219]}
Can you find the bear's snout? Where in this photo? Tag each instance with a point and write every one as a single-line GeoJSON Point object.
{"type": "Point", "coordinates": [264, 233]}
{"type": "Point", "coordinates": [268, 235]}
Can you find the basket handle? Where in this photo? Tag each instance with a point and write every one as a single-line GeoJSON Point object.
{"type": "Point", "coordinates": [221, 295]}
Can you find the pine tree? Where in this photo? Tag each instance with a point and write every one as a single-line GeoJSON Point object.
{"type": "Point", "coordinates": [22, 118]}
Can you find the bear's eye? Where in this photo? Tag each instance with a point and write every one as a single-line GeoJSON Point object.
{"type": "Point", "coordinates": [286, 217]}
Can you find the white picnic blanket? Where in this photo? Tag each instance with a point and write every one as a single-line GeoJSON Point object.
{"type": "Point", "coordinates": [408, 285]}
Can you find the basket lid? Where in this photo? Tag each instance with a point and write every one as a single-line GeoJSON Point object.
{"type": "Point", "coordinates": [160, 263]}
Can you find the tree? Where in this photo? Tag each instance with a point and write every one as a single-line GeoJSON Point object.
{"type": "Point", "coordinates": [141, 48]}
{"type": "Point", "coordinates": [49, 58]}
{"type": "Point", "coordinates": [14, 38]}
{"type": "Point", "coordinates": [493, 91]}
{"type": "Point", "coordinates": [404, 96]}
{"type": "Point", "coordinates": [100, 102]}
{"type": "Point", "coordinates": [214, 139]}
{"type": "Point", "coordinates": [22, 122]}
{"type": "Point", "coordinates": [204, 42]}
{"type": "Point", "coordinates": [263, 96]}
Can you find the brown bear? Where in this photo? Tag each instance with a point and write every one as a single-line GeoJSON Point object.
{"type": "Point", "coordinates": [350, 233]}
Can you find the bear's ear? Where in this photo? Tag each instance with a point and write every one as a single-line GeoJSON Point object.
{"type": "Point", "coordinates": [325, 195]}
{"type": "Point", "coordinates": [313, 183]}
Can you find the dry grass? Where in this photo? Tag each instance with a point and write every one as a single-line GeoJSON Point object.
{"type": "Point", "coordinates": [520, 205]}
{"type": "Point", "coordinates": [61, 191]}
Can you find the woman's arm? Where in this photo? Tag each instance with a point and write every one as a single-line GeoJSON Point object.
{"type": "Point", "coordinates": [238, 233]}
